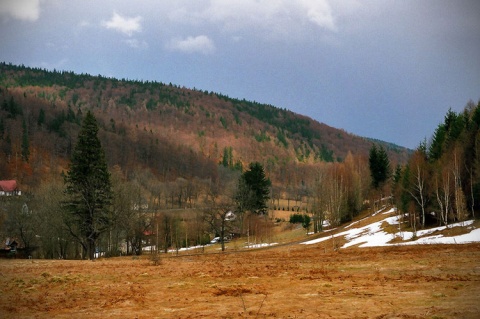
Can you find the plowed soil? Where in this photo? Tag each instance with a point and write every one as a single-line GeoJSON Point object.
{"type": "Point", "coordinates": [297, 281]}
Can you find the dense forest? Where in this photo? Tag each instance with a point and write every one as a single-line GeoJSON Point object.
{"type": "Point", "coordinates": [441, 182]}
{"type": "Point", "coordinates": [151, 125]}
{"type": "Point", "coordinates": [176, 156]}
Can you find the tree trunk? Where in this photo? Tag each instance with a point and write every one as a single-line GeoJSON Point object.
{"type": "Point", "coordinates": [222, 239]}
{"type": "Point", "coordinates": [91, 249]}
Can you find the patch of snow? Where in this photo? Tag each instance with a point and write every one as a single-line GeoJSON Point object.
{"type": "Point", "coordinates": [372, 235]}
{"type": "Point", "coordinates": [185, 248]}
{"type": "Point", "coordinates": [153, 248]}
{"type": "Point", "coordinates": [471, 237]}
{"type": "Point", "coordinates": [100, 254]}
{"type": "Point", "coordinates": [316, 241]}
{"type": "Point", "coordinates": [380, 210]}
{"type": "Point", "coordinates": [423, 232]}
{"type": "Point", "coordinates": [391, 210]}
{"type": "Point", "coordinates": [260, 245]}
{"type": "Point", "coordinates": [354, 223]}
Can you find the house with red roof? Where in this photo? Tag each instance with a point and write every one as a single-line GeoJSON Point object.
{"type": "Point", "coordinates": [9, 188]}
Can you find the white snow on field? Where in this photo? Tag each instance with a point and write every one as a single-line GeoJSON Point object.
{"type": "Point", "coordinates": [186, 248]}
{"type": "Point", "coordinates": [260, 245]}
{"type": "Point", "coordinates": [373, 235]}
{"type": "Point", "coordinates": [388, 212]}
{"type": "Point", "coordinates": [153, 248]}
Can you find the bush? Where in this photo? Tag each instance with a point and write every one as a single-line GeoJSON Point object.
{"type": "Point", "coordinates": [301, 219]}
{"type": "Point", "coordinates": [296, 219]}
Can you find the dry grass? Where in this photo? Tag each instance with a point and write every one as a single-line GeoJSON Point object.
{"type": "Point", "coordinates": [285, 282]}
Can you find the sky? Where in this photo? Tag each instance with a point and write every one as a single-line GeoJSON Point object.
{"type": "Point", "coordinates": [383, 69]}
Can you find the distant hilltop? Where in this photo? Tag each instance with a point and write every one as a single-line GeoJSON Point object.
{"type": "Point", "coordinates": [174, 130]}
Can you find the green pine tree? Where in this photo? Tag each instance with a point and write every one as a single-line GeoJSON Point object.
{"type": "Point", "coordinates": [25, 142]}
{"type": "Point", "coordinates": [379, 166]}
{"type": "Point", "coordinates": [41, 118]}
{"type": "Point", "coordinates": [306, 223]}
{"type": "Point", "coordinates": [88, 188]}
{"type": "Point", "coordinates": [2, 128]}
{"type": "Point", "coordinates": [254, 190]}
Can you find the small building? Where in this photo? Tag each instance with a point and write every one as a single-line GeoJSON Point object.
{"type": "Point", "coordinates": [10, 249]}
{"type": "Point", "coordinates": [13, 246]}
{"type": "Point", "coordinates": [9, 188]}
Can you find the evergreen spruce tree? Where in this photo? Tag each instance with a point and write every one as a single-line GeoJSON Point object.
{"type": "Point", "coordinates": [254, 190]}
{"type": "Point", "coordinates": [88, 188]}
{"type": "Point", "coordinates": [379, 166]}
{"type": "Point", "coordinates": [25, 142]}
{"type": "Point", "coordinates": [306, 222]}
{"type": "Point", "coordinates": [227, 160]}
{"type": "Point", "coordinates": [41, 118]}
{"type": "Point", "coordinates": [2, 128]}
{"type": "Point", "coordinates": [437, 144]}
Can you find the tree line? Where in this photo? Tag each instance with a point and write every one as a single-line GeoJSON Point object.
{"type": "Point", "coordinates": [93, 208]}
{"type": "Point", "coordinates": [95, 211]}
{"type": "Point", "coordinates": [163, 192]}
{"type": "Point", "coordinates": [439, 185]}
{"type": "Point", "coordinates": [441, 182]}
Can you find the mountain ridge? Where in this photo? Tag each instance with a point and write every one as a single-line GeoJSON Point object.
{"type": "Point", "coordinates": [207, 126]}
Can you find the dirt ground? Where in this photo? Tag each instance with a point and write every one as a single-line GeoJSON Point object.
{"type": "Point", "coordinates": [296, 281]}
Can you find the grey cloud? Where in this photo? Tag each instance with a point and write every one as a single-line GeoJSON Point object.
{"type": "Point", "coordinates": [28, 10]}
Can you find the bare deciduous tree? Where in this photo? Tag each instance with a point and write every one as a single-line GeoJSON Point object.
{"type": "Point", "coordinates": [418, 189]}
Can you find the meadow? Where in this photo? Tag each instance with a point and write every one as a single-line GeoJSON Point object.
{"type": "Point", "coordinates": [289, 281]}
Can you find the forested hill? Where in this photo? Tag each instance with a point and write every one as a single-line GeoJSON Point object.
{"type": "Point", "coordinates": [174, 131]}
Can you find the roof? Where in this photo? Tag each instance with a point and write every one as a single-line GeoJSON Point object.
{"type": "Point", "coordinates": [8, 186]}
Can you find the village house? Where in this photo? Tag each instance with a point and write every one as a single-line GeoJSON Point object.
{"type": "Point", "coordinates": [9, 188]}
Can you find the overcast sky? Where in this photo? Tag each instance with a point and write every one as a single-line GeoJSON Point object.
{"type": "Point", "coordinates": [383, 69]}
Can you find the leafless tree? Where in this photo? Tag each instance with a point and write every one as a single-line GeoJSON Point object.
{"type": "Point", "coordinates": [220, 204]}
{"type": "Point", "coordinates": [460, 202]}
{"type": "Point", "coordinates": [443, 190]}
{"type": "Point", "coordinates": [418, 189]}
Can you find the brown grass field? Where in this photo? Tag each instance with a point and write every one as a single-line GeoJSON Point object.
{"type": "Point", "coordinates": [294, 281]}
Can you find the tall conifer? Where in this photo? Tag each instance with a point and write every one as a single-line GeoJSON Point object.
{"type": "Point", "coordinates": [25, 142]}
{"type": "Point", "coordinates": [379, 166]}
{"type": "Point", "coordinates": [254, 189]}
{"type": "Point", "coordinates": [88, 188]}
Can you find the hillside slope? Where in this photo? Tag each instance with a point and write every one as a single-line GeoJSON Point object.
{"type": "Point", "coordinates": [386, 228]}
{"type": "Point", "coordinates": [154, 124]}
